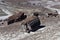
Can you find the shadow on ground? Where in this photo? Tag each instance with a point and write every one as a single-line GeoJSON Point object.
{"type": "Point", "coordinates": [37, 27]}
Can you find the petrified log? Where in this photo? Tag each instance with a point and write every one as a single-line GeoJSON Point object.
{"type": "Point", "coordinates": [31, 22]}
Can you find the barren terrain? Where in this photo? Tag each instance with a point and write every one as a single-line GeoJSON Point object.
{"type": "Point", "coordinates": [50, 31]}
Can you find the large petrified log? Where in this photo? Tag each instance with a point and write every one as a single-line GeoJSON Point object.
{"type": "Point", "coordinates": [30, 22]}
{"type": "Point", "coordinates": [16, 17]}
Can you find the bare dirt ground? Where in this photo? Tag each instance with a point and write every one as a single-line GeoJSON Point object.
{"type": "Point", "coordinates": [51, 31]}
{"type": "Point", "coordinates": [56, 6]}
{"type": "Point", "coordinates": [2, 13]}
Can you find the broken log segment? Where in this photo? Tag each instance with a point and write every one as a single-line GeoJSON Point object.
{"type": "Point", "coordinates": [16, 17]}
{"type": "Point", "coordinates": [31, 22]}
